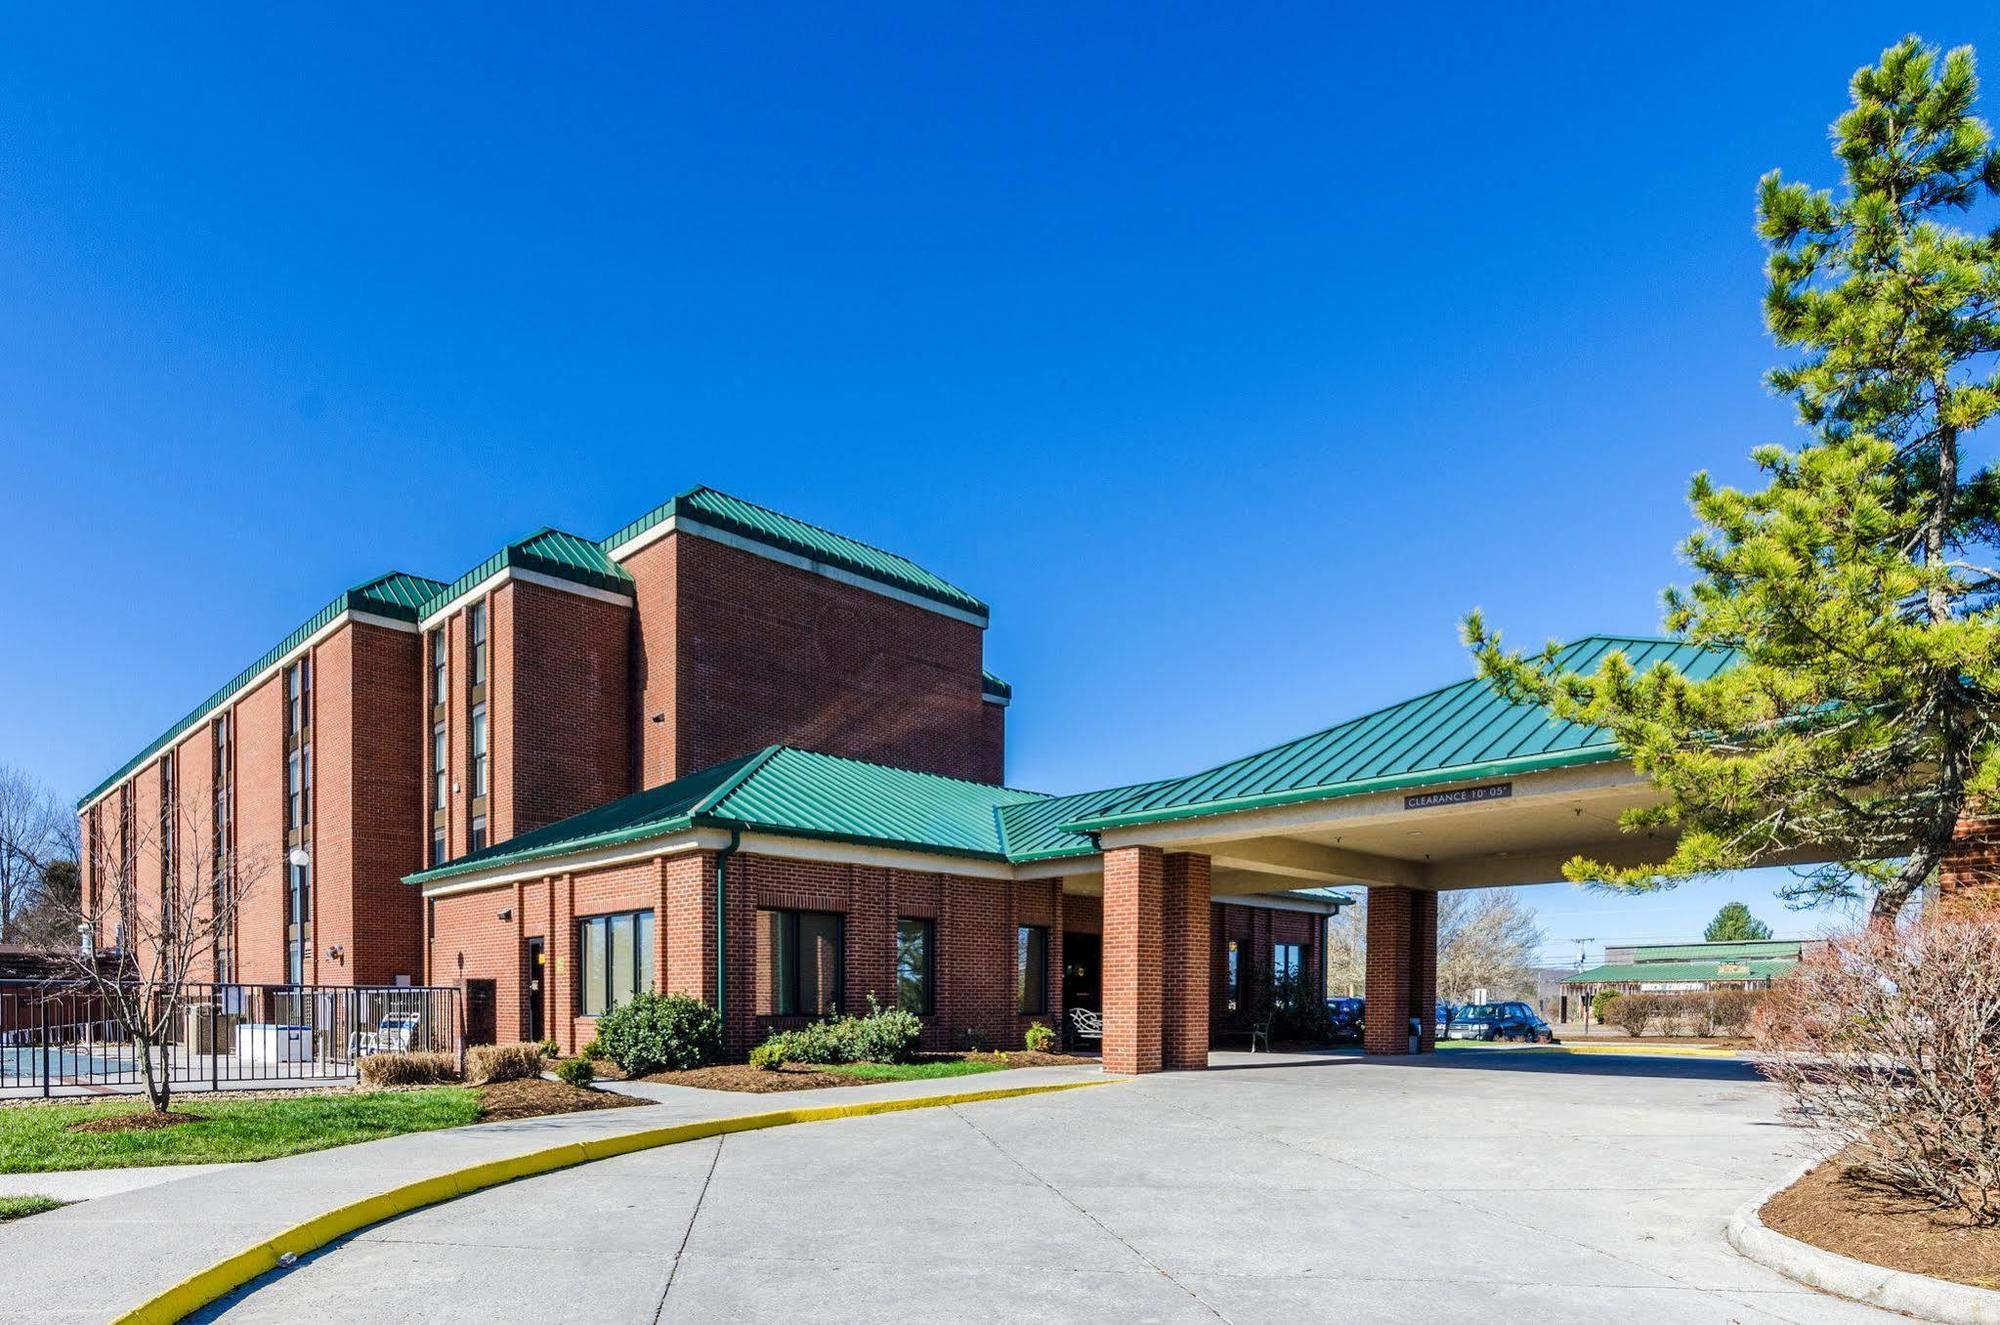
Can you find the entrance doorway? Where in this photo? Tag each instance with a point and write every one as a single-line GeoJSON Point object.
{"type": "Point", "coordinates": [1083, 977]}
{"type": "Point", "coordinates": [479, 1008]}
{"type": "Point", "coordinates": [537, 962]}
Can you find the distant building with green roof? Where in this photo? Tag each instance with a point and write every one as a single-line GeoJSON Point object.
{"type": "Point", "coordinates": [1681, 968]}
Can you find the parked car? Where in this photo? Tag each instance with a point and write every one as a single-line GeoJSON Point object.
{"type": "Point", "coordinates": [1500, 1021]}
{"type": "Point", "coordinates": [1346, 1015]}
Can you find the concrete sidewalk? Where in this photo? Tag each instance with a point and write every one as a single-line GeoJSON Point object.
{"type": "Point", "coordinates": [90, 1184]}
{"type": "Point", "coordinates": [93, 1261]}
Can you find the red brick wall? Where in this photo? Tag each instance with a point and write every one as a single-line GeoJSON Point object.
{"type": "Point", "coordinates": [763, 653]}
{"type": "Point", "coordinates": [1185, 955]}
{"type": "Point", "coordinates": [385, 808]}
{"type": "Point", "coordinates": [260, 832]}
{"type": "Point", "coordinates": [975, 922]}
{"type": "Point", "coordinates": [564, 696]}
{"type": "Point", "coordinates": [1402, 969]}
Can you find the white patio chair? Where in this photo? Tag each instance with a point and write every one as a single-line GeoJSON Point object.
{"type": "Point", "coordinates": [1086, 1025]}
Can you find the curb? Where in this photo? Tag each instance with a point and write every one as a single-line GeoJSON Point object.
{"type": "Point", "coordinates": [226, 1276]}
{"type": "Point", "coordinates": [1917, 1295]}
{"type": "Point", "coordinates": [1658, 1051]}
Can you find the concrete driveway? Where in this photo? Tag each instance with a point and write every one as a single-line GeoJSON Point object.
{"type": "Point", "coordinates": [1479, 1186]}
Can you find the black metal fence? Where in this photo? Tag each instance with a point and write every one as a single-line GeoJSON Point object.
{"type": "Point", "coordinates": [61, 1036]}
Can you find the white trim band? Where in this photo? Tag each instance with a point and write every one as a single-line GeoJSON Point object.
{"type": "Point", "coordinates": [526, 576]}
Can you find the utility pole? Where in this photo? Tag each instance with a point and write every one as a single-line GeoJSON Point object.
{"type": "Point", "coordinates": [1581, 944]}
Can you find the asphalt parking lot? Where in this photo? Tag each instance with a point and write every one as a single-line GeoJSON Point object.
{"type": "Point", "coordinates": [1476, 1186]}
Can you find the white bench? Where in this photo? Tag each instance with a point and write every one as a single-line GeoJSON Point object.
{"type": "Point", "coordinates": [1086, 1025]}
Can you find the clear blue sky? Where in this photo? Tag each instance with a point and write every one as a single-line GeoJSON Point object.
{"type": "Point", "coordinates": [1231, 355]}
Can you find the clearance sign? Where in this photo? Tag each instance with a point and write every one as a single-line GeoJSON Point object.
{"type": "Point", "coordinates": [1492, 791]}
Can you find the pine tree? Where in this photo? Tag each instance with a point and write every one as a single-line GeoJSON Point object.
{"type": "Point", "coordinates": [1855, 588]}
{"type": "Point", "coordinates": [1734, 924]}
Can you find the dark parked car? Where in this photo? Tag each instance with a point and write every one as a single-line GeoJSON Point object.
{"type": "Point", "coordinates": [1346, 1015]}
{"type": "Point", "coordinates": [1500, 1021]}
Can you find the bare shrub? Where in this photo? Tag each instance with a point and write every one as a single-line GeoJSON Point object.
{"type": "Point", "coordinates": [1633, 1013]}
{"type": "Point", "coordinates": [418, 1069]}
{"type": "Point", "coordinates": [488, 1063]}
{"type": "Point", "coordinates": [1733, 1009]}
{"type": "Point", "coordinates": [1889, 1042]}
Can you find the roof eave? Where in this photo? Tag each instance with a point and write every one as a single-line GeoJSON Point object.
{"type": "Point", "coordinates": [1394, 782]}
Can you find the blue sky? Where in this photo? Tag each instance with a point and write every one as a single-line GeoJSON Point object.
{"type": "Point", "coordinates": [1231, 355]}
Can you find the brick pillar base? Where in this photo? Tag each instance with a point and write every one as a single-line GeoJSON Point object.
{"type": "Point", "coordinates": [1968, 878]}
{"type": "Point", "coordinates": [1131, 967]}
{"type": "Point", "coordinates": [1402, 970]}
{"type": "Point", "coordinates": [1184, 958]}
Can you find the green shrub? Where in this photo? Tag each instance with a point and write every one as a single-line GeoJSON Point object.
{"type": "Point", "coordinates": [1600, 1003]}
{"type": "Point", "coordinates": [424, 1069]}
{"type": "Point", "coordinates": [885, 1035]}
{"type": "Point", "coordinates": [576, 1072]}
{"type": "Point", "coordinates": [595, 1049]}
{"type": "Point", "coordinates": [770, 1055]}
{"type": "Point", "coordinates": [1039, 1039]}
{"type": "Point", "coordinates": [551, 1050]}
{"type": "Point", "coordinates": [660, 1033]}
{"type": "Point", "coordinates": [488, 1063]}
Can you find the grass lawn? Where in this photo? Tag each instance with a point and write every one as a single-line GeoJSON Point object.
{"type": "Point", "coordinates": [37, 1139]}
{"type": "Point", "coordinates": [20, 1207]}
{"type": "Point", "coordinates": [947, 1067]}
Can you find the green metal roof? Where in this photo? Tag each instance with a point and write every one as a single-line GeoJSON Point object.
{"type": "Point", "coordinates": [395, 595]}
{"type": "Point", "coordinates": [1462, 731]}
{"type": "Point", "coordinates": [1741, 950]}
{"type": "Point", "coordinates": [1676, 972]}
{"type": "Point", "coordinates": [780, 789]}
{"type": "Point", "coordinates": [990, 684]}
{"type": "Point", "coordinates": [549, 552]}
{"type": "Point", "coordinates": [761, 525]}
{"type": "Point", "coordinates": [1034, 830]}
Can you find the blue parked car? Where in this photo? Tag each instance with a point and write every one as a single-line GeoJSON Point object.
{"type": "Point", "coordinates": [1500, 1021]}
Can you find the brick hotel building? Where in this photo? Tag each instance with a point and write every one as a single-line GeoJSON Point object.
{"type": "Point", "coordinates": [722, 752]}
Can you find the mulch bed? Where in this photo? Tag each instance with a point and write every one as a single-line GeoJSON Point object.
{"type": "Point", "coordinates": [541, 1099]}
{"type": "Point", "coordinates": [143, 1121]}
{"type": "Point", "coordinates": [799, 1076]}
{"type": "Point", "coordinates": [1838, 1213]}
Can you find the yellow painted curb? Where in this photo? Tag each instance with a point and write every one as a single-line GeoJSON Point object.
{"type": "Point", "coordinates": [226, 1276]}
{"type": "Point", "coordinates": [1657, 1051]}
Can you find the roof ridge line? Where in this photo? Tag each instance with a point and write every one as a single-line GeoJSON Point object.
{"type": "Point", "coordinates": [729, 785]}
{"type": "Point", "coordinates": [919, 772]}
{"type": "Point", "coordinates": [817, 528]}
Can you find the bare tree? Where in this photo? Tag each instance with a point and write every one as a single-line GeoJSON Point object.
{"type": "Point", "coordinates": [1486, 940]}
{"type": "Point", "coordinates": [1888, 1041]}
{"type": "Point", "coordinates": [161, 903]}
{"type": "Point", "coordinates": [37, 835]}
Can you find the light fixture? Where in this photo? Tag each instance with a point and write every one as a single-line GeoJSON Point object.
{"type": "Point", "coordinates": [333, 953]}
{"type": "Point", "coordinates": [507, 913]}
{"type": "Point", "coordinates": [299, 856]}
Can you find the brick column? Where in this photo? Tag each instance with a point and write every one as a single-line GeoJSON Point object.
{"type": "Point", "coordinates": [1132, 972]}
{"type": "Point", "coordinates": [1968, 878]}
{"type": "Point", "coordinates": [1184, 959]}
{"type": "Point", "coordinates": [1424, 965]}
{"type": "Point", "coordinates": [1386, 1024]}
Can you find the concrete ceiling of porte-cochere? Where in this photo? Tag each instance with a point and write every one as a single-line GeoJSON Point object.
{"type": "Point", "coordinates": [1543, 820]}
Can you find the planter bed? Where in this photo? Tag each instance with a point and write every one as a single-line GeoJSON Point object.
{"type": "Point", "coordinates": [1831, 1211]}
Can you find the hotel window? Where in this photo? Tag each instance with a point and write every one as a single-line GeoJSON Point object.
{"type": "Point", "coordinates": [1288, 964]}
{"type": "Point", "coordinates": [478, 832]}
{"type": "Point", "coordinates": [438, 676]}
{"type": "Point", "coordinates": [298, 921]}
{"type": "Point", "coordinates": [437, 847]}
{"type": "Point", "coordinates": [615, 960]}
{"type": "Point", "coordinates": [295, 790]}
{"type": "Point", "coordinates": [478, 750]}
{"type": "Point", "coordinates": [440, 774]}
{"type": "Point", "coordinates": [915, 946]}
{"type": "Point", "coordinates": [168, 820]}
{"type": "Point", "coordinates": [475, 618]}
{"type": "Point", "coordinates": [1232, 975]}
{"type": "Point", "coordinates": [298, 697]}
{"type": "Point", "coordinates": [1031, 969]}
{"type": "Point", "coordinates": [219, 769]}
{"type": "Point", "coordinates": [799, 967]}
